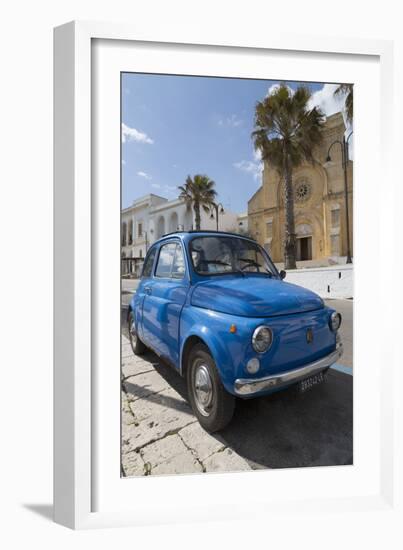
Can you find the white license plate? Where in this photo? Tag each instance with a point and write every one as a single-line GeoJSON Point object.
{"type": "Point", "coordinates": [309, 383]}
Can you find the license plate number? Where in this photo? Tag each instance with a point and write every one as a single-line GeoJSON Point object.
{"type": "Point", "coordinates": [309, 383]}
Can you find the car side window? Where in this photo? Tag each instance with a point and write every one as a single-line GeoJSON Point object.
{"type": "Point", "coordinates": [178, 266]}
{"type": "Point", "coordinates": [165, 260]}
{"type": "Point", "coordinates": [148, 264]}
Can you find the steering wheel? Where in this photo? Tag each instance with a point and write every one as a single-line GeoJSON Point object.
{"type": "Point", "coordinates": [249, 263]}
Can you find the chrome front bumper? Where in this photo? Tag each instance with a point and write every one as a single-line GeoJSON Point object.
{"type": "Point", "coordinates": [248, 386]}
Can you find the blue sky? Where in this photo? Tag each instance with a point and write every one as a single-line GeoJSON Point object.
{"type": "Point", "coordinates": [173, 126]}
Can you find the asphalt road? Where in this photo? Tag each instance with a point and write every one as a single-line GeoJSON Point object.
{"type": "Point", "coordinates": [345, 307]}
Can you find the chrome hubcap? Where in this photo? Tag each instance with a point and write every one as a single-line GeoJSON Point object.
{"type": "Point", "coordinates": [203, 389]}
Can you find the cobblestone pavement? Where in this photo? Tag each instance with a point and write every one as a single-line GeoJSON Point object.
{"type": "Point", "coordinates": [160, 434]}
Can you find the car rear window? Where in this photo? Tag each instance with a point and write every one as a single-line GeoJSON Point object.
{"type": "Point", "coordinates": [148, 264]}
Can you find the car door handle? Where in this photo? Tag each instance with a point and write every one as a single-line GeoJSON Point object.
{"type": "Point", "coordinates": [147, 289]}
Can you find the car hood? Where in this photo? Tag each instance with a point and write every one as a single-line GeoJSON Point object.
{"type": "Point", "coordinates": [254, 296]}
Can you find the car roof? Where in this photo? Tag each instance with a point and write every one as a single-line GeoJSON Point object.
{"type": "Point", "coordinates": [186, 235]}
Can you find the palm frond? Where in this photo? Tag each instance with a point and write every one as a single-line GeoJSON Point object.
{"type": "Point", "coordinates": [347, 90]}
{"type": "Point", "coordinates": [285, 125]}
{"type": "Point", "coordinates": [198, 192]}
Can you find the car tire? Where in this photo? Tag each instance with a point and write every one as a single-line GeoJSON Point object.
{"type": "Point", "coordinates": [211, 403]}
{"type": "Point", "coordinates": [137, 345]}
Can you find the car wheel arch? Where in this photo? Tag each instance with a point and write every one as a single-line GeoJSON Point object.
{"type": "Point", "coordinates": [188, 345]}
{"type": "Point", "coordinates": [129, 310]}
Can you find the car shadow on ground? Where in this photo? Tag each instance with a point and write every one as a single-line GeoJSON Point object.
{"type": "Point", "coordinates": [286, 429]}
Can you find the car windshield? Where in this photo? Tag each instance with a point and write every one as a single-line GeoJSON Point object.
{"type": "Point", "coordinates": [217, 255]}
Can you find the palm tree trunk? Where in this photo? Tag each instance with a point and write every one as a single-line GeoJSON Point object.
{"type": "Point", "coordinates": [290, 236]}
{"type": "Point", "coordinates": [196, 207]}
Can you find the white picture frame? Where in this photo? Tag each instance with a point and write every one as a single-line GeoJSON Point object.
{"type": "Point", "coordinates": [87, 488]}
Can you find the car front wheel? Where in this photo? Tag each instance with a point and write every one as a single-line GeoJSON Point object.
{"type": "Point", "coordinates": [137, 345]}
{"type": "Point", "coordinates": [211, 403]}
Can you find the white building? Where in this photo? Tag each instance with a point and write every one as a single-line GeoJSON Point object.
{"type": "Point", "coordinates": [242, 225]}
{"type": "Point", "coordinates": [150, 217]}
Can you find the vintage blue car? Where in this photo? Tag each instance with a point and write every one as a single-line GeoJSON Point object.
{"type": "Point", "coordinates": [214, 306]}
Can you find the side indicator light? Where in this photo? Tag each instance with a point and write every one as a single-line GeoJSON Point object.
{"type": "Point", "coordinates": [232, 329]}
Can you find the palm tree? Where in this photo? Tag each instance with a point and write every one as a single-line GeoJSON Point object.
{"type": "Point", "coordinates": [198, 192]}
{"type": "Point", "coordinates": [347, 91]}
{"type": "Point", "coordinates": [286, 131]}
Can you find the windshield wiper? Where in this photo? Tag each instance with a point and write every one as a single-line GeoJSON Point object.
{"type": "Point", "coordinates": [239, 270]}
{"type": "Point", "coordinates": [218, 262]}
{"type": "Point", "coordinates": [254, 264]}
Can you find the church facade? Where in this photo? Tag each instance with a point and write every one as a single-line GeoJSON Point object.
{"type": "Point", "coordinates": [319, 204]}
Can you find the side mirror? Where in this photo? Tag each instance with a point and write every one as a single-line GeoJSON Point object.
{"type": "Point", "coordinates": [282, 274]}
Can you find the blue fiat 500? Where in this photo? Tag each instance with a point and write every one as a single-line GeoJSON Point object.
{"type": "Point", "coordinates": [214, 306]}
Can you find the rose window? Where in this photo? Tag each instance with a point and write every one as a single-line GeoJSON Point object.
{"type": "Point", "coordinates": [302, 191]}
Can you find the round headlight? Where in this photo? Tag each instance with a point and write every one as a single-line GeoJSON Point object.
{"type": "Point", "coordinates": [335, 321]}
{"type": "Point", "coordinates": [262, 339]}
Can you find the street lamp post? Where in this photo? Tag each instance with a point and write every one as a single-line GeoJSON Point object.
{"type": "Point", "coordinates": [218, 208]}
{"type": "Point", "coordinates": [344, 160]}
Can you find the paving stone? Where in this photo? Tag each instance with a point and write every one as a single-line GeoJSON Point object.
{"type": "Point", "coordinates": [144, 384]}
{"type": "Point", "coordinates": [225, 461]}
{"type": "Point", "coordinates": [128, 418]}
{"type": "Point", "coordinates": [184, 463]}
{"type": "Point", "coordinates": [133, 464]}
{"type": "Point", "coordinates": [132, 366]}
{"type": "Point", "coordinates": [125, 402]}
{"type": "Point", "coordinates": [127, 351]}
{"type": "Point", "coordinates": [153, 414]}
{"type": "Point", "coordinates": [163, 450]}
{"type": "Point", "coordinates": [202, 443]}
{"type": "Point", "coordinates": [164, 414]}
{"type": "Point", "coordinates": [159, 407]}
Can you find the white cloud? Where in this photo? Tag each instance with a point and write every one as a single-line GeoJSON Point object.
{"type": "Point", "coordinates": [170, 190]}
{"type": "Point", "coordinates": [274, 87]}
{"type": "Point", "coordinates": [144, 175]}
{"type": "Point", "coordinates": [232, 121]}
{"type": "Point", "coordinates": [257, 155]}
{"type": "Point", "coordinates": [326, 100]}
{"type": "Point", "coordinates": [131, 134]}
{"type": "Point", "coordinates": [323, 98]}
{"type": "Point", "coordinates": [251, 167]}
{"type": "Point", "coordinates": [331, 104]}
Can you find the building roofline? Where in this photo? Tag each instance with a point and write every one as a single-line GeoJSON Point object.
{"type": "Point", "coordinates": [254, 194]}
{"type": "Point", "coordinates": [138, 202]}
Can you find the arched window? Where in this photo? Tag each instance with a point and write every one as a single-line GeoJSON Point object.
{"type": "Point", "coordinates": [173, 222]}
{"type": "Point", "coordinates": [160, 227]}
{"type": "Point", "coordinates": [124, 232]}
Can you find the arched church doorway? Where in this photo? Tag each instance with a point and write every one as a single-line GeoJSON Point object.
{"type": "Point", "coordinates": [304, 242]}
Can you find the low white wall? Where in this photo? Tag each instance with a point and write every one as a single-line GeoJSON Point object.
{"type": "Point", "coordinates": [329, 282]}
